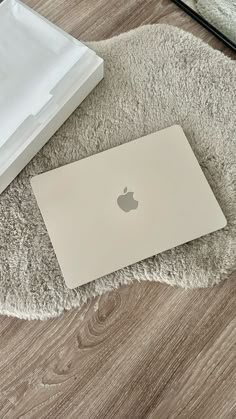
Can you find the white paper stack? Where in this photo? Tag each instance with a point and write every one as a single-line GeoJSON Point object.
{"type": "Point", "coordinates": [44, 75]}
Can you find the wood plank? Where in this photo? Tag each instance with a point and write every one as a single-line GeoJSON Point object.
{"type": "Point", "coordinates": [95, 20]}
{"type": "Point", "coordinates": [6, 407]}
{"type": "Point", "coordinates": [148, 350]}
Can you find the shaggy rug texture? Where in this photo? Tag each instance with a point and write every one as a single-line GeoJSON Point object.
{"type": "Point", "coordinates": [221, 14]}
{"type": "Point", "coordinates": [155, 76]}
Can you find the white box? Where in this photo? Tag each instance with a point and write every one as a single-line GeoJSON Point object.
{"type": "Point", "coordinates": [44, 75]}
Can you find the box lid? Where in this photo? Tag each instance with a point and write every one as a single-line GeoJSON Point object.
{"type": "Point", "coordinates": [41, 67]}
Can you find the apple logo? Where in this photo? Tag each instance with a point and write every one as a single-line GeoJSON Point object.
{"type": "Point", "coordinates": [127, 202]}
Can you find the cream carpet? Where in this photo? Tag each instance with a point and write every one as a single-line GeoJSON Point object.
{"type": "Point", "coordinates": [156, 76]}
{"type": "Point", "coordinates": [221, 14]}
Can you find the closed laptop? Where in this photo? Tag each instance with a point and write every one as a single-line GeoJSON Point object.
{"type": "Point", "coordinates": [126, 204]}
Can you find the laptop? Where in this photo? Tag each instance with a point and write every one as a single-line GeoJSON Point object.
{"type": "Point", "coordinates": [123, 205]}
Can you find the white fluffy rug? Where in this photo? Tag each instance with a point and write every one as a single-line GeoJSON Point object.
{"type": "Point", "coordinates": [221, 14]}
{"type": "Point", "coordinates": [156, 76]}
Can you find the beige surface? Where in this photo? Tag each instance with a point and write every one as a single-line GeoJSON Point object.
{"type": "Point", "coordinates": [90, 214]}
{"type": "Point", "coordinates": [145, 351]}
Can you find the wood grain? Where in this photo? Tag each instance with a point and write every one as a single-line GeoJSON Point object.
{"type": "Point", "coordinates": [92, 20]}
{"type": "Point", "coordinates": [145, 351]}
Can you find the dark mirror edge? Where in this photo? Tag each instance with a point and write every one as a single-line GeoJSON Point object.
{"type": "Point", "coordinates": [205, 23]}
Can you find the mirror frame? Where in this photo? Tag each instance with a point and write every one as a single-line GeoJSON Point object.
{"type": "Point", "coordinates": [205, 23]}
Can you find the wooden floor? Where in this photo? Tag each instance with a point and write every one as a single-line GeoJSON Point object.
{"type": "Point", "coordinates": [145, 351]}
